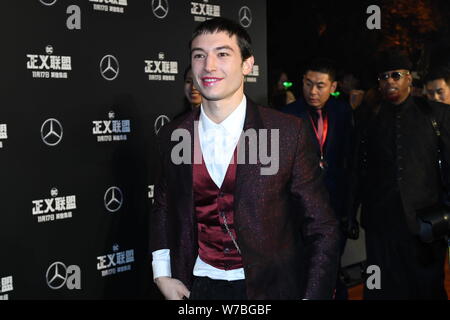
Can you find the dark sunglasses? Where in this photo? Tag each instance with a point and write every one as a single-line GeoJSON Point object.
{"type": "Point", "coordinates": [396, 75]}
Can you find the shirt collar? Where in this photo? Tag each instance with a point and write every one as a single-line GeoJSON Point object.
{"type": "Point", "coordinates": [402, 106]}
{"type": "Point", "coordinates": [313, 110]}
{"type": "Point", "coordinates": [233, 124]}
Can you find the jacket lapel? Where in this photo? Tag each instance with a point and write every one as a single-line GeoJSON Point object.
{"type": "Point", "coordinates": [247, 173]}
{"type": "Point", "coordinates": [185, 172]}
{"type": "Point", "coordinates": [331, 115]}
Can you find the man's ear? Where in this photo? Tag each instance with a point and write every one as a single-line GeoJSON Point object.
{"type": "Point", "coordinates": [333, 86]}
{"type": "Point", "coordinates": [247, 65]}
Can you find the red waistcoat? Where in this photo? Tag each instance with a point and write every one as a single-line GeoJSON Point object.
{"type": "Point", "coordinates": [216, 247]}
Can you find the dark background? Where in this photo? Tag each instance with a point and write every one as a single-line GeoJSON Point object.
{"type": "Point", "coordinates": [80, 165]}
{"type": "Point", "coordinates": [300, 30]}
{"type": "Point", "coordinates": [285, 34]}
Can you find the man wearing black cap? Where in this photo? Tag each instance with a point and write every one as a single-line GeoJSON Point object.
{"type": "Point", "coordinates": [396, 175]}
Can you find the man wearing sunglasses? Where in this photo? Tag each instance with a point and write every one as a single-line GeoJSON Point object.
{"type": "Point", "coordinates": [395, 85]}
{"type": "Point", "coordinates": [396, 175]}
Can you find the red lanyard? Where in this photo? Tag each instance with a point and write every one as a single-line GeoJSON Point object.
{"type": "Point", "coordinates": [324, 136]}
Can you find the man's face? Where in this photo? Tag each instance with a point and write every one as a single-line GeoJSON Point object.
{"type": "Point", "coordinates": [438, 90]}
{"type": "Point", "coordinates": [217, 66]}
{"type": "Point", "coordinates": [317, 87]}
{"type": "Point", "coordinates": [395, 91]}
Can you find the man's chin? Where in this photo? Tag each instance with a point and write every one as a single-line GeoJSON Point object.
{"type": "Point", "coordinates": [393, 98]}
{"type": "Point", "coordinates": [212, 97]}
{"type": "Point", "coordinates": [314, 104]}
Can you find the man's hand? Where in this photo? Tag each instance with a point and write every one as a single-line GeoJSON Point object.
{"type": "Point", "coordinates": [172, 289]}
{"type": "Point", "coordinates": [353, 229]}
{"type": "Point", "coordinates": [350, 228]}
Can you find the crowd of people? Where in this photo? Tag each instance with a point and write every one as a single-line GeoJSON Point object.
{"type": "Point", "coordinates": [381, 154]}
{"type": "Point", "coordinates": [223, 230]}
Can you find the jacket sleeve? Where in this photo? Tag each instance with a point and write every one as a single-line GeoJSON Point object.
{"type": "Point", "coordinates": [349, 147]}
{"type": "Point", "coordinates": [158, 233]}
{"type": "Point", "coordinates": [445, 135]}
{"type": "Point", "coordinates": [319, 225]}
{"type": "Point", "coordinates": [358, 163]}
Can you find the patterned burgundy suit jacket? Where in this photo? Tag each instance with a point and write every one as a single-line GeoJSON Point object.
{"type": "Point", "coordinates": [287, 233]}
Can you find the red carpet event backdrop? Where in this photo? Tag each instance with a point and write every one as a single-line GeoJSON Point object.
{"type": "Point", "coordinates": [86, 86]}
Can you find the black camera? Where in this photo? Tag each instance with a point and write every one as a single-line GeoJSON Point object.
{"type": "Point", "coordinates": [434, 222]}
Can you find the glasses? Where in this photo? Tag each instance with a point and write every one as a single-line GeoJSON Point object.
{"type": "Point", "coordinates": [396, 75]}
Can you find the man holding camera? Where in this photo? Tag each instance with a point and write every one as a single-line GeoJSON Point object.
{"type": "Point", "coordinates": [397, 178]}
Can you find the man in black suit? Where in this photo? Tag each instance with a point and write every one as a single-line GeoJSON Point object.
{"type": "Point", "coordinates": [330, 121]}
{"type": "Point", "coordinates": [398, 175]}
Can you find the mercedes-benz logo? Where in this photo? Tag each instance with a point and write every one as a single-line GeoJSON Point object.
{"type": "Point", "coordinates": [245, 17]}
{"type": "Point", "coordinates": [56, 275]}
{"type": "Point", "coordinates": [54, 192]}
{"type": "Point", "coordinates": [160, 122]}
{"type": "Point", "coordinates": [49, 49]}
{"type": "Point", "coordinates": [48, 2]}
{"type": "Point", "coordinates": [160, 8]}
{"type": "Point", "coordinates": [113, 199]}
{"type": "Point", "coordinates": [109, 67]}
{"type": "Point", "coordinates": [51, 132]}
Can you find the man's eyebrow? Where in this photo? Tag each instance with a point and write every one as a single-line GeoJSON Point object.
{"type": "Point", "coordinates": [320, 82]}
{"type": "Point", "coordinates": [226, 47]}
{"type": "Point", "coordinates": [197, 49]}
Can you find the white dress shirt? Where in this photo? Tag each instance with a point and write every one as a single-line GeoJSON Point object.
{"type": "Point", "coordinates": [217, 142]}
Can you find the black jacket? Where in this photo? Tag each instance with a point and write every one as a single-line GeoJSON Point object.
{"type": "Point", "coordinates": [337, 148]}
{"type": "Point", "coordinates": [415, 165]}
